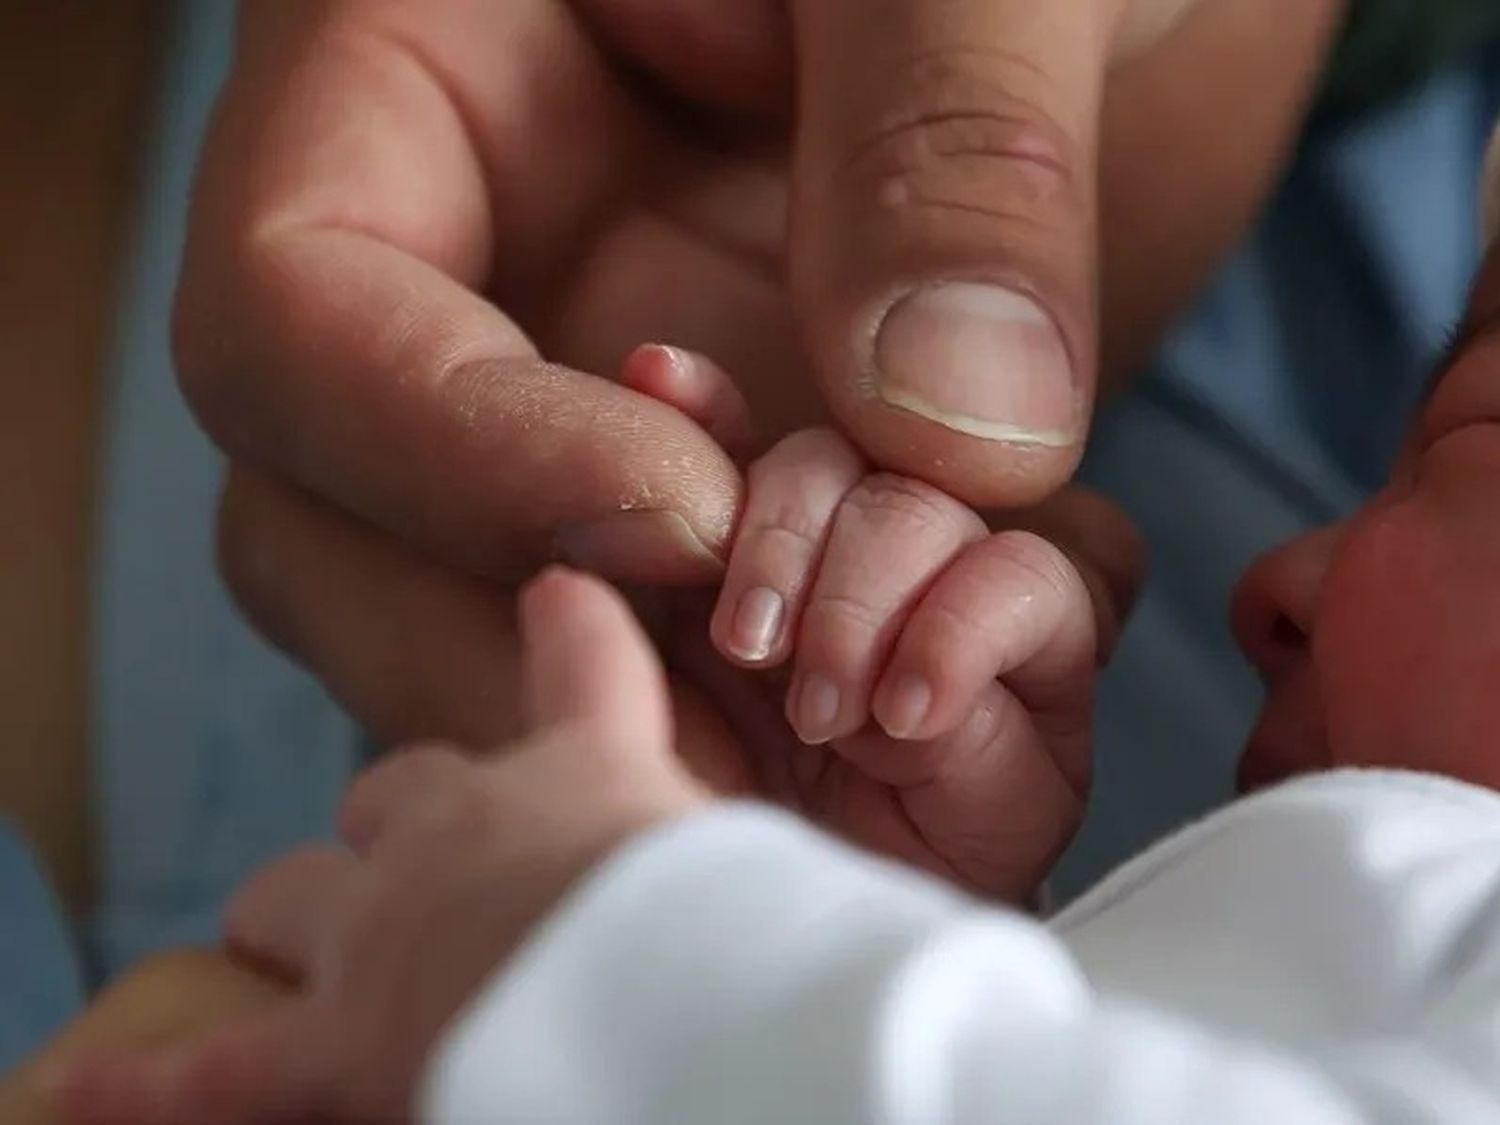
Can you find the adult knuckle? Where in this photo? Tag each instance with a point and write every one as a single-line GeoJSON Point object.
{"type": "Point", "coordinates": [194, 356]}
{"type": "Point", "coordinates": [973, 133]}
{"type": "Point", "coordinates": [199, 358]}
{"type": "Point", "coordinates": [247, 555]}
{"type": "Point", "coordinates": [221, 301]}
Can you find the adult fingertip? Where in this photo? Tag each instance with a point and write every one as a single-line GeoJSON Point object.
{"type": "Point", "coordinates": [949, 433]}
{"type": "Point", "coordinates": [979, 386]}
{"type": "Point", "coordinates": [659, 547]}
{"type": "Point", "coordinates": [943, 253]}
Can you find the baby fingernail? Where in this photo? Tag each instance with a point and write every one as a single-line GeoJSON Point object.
{"type": "Point", "coordinates": [979, 359]}
{"type": "Point", "coordinates": [903, 708]}
{"type": "Point", "coordinates": [756, 623]}
{"type": "Point", "coordinates": [814, 708]}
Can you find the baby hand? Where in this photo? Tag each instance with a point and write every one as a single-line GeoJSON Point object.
{"type": "Point", "coordinates": [948, 669]}
{"type": "Point", "coordinates": [449, 860]}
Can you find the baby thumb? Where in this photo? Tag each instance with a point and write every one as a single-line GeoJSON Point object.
{"type": "Point", "coordinates": [589, 664]}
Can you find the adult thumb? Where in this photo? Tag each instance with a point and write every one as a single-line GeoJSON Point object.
{"type": "Point", "coordinates": [590, 665]}
{"type": "Point", "coordinates": [943, 231]}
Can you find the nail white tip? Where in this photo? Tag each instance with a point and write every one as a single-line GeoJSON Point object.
{"type": "Point", "coordinates": [975, 427]}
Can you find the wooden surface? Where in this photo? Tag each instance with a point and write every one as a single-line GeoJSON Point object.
{"type": "Point", "coordinates": [168, 999]}
{"type": "Point", "coordinates": [75, 93]}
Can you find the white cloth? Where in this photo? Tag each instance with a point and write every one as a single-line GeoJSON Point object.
{"type": "Point", "coordinates": [1327, 952]}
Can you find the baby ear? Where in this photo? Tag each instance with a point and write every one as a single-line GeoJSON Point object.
{"type": "Point", "coordinates": [1489, 193]}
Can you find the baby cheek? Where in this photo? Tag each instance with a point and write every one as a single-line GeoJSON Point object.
{"type": "Point", "coordinates": [1407, 651]}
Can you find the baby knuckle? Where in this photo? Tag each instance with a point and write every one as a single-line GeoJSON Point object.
{"type": "Point", "coordinates": [807, 462]}
{"type": "Point", "coordinates": [948, 624]}
{"type": "Point", "coordinates": [796, 490]}
{"type": "Point", "coordinates": [789, 540]}
{"type": "Point", "coordinates": [888, 502]}
{"type": "Point", "coordinates": [847, 614]}
{"type": "Point", "coordinates": [1044, 567]}
{"type": "Point", "coordinates": [819, 445]}
{"type": "Point", "coordinates": [788, 530]}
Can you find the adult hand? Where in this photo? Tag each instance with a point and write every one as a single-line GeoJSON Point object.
{"type": "Point", "coordinates": [419, 228]}
{"type": "Point", "coordinates": [450, 863]}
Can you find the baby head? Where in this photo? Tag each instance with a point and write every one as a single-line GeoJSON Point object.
{"type": "Point", "coordinates": [1379, 637]}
